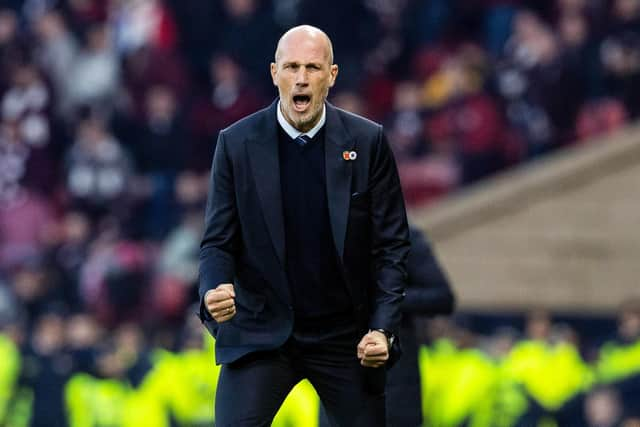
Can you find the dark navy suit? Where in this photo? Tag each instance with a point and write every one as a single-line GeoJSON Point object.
{"type": "Point", "coordinates": [244, 244]}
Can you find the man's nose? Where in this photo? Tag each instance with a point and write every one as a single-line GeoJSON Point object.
{"type": "Point", "coordinates": [302, 77]}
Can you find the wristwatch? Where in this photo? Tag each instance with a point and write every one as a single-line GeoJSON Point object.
{"type": "Point", "coordinates": [390, 337]}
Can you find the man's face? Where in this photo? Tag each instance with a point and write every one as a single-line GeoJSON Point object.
{"type": "Point", "coordinates": [303, 74]}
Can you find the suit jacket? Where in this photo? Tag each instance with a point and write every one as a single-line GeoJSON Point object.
{"type": "Point", "coordinates": [244, 240]}
{"type": "Point", "coordinates": [428, 288]}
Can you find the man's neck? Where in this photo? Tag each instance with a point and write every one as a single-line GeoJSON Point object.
{"type": "Point", "coordinates": [295, 132]}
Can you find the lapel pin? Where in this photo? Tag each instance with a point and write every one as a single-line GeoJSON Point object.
{"type": "Point", "coordinates": [349, 155]}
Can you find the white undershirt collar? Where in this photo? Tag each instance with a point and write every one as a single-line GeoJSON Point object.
{"type": "Point", "coordinates": [293, 132]}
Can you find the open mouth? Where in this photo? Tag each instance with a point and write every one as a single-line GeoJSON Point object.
{"type": "Point", "coordinates": [301, 102]}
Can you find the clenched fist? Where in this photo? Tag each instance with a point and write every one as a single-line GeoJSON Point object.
{"type": "Point", "coordinates": [373, 350]}
{"type": "Point", "coordinates": [220, 302]}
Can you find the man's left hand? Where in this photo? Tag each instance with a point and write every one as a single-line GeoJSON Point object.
{"type": "Point", "coordinates": [373, 350]}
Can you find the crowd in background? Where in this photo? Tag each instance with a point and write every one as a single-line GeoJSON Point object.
{"type": "Point", "coordinates": [110, 109]}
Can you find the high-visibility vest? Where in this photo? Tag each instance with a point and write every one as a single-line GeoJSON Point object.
{"type": "Point", "coordinates": [9, 373]}
{"type": "Point", "coordinates": [185, 383]}
{"type": "Point", "coordinates": [551, 374]}
{"type": "Point", "coordinates": [300, 409]}
{"type": "Point", "coordinates": [455, 383]}
{"type": "Point", "coordinates": [20, 411]}
{"type": "Point", "coordinates": [618, 361]}
{"type": "Point", "coordinates": [94, 402]}
{"type": "Point", "coordinates": [503, 406]}
{"type": "Point", "coordinates": [15, 401]}
{"type": "Point", "coordinates": [143, 408]}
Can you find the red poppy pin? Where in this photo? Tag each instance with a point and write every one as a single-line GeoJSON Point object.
{"type": "Point", "coordinates": [349, 155]}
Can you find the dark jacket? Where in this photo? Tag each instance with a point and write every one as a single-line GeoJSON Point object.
{"type": "Point", "coordinates": [244, 239]}
{"type": "Point", "coordinates": [428, 294]}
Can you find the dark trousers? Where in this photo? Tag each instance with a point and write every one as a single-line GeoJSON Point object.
{"type": "Point", "coordinates": [251, 390]}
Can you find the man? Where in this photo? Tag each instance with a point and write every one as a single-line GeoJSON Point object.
{"type": "Point", "coordinates": [303, 257]}
{"type": "Point", "coordinates": [428, 294]}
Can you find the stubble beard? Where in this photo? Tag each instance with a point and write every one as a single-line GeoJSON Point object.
{"type": "Point", "coordinates": [307, 120]}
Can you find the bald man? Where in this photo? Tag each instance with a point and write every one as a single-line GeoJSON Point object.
{"type": "Point", "coordinates": [302, 262]}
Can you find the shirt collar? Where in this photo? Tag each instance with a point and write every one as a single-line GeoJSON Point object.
{"type": "Point", "coordinates": [293, 132]}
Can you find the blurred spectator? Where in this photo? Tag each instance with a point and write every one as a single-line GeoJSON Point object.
{"type": "Point", "coordinates": [629, 322]}
{"type": "Point", "coordinates": [405, 124]}
{"type": "Point", "coordinates": [603, 408]}
{"type": "Point", "coordinates": [177, 263]}
{"type": "Point", "coordinates": [9, 307]}
{"type": "Point", "coordinates": [179, 254]}
{"type": "Point", "coordinates": [580, 53]}
{"type": "Point", "coordinates": [83, 335]}
{"type": "Point", "coordinates": [95, 74]}
{"type": "Point", "coordinates": [159, 151]}
{"type": "Point", "coordinates": [159, 148]}
{"type": "Point", "coordinates": [144, 68]}
{"type": "Point", "coordinates": [391, 50]}
{"type": "Point", "coordinates": [618, 362]}
{"type": "Point", "coordinates": [115, 281]}
{"type": "Point", "coordinates": [56, 53]}
{"type": "Point", "coordinates": [426, 169]}
{"type": "Point", "coordinates": [70, 252]}
{"type": "Point", "coordinates": [600, 117]}
{"type": "Point", "coordinates": [47, 367]}
{"type": "Point", "coordinates": [357, 37]}
{"type": "Point", "coordinates": [538, 326]}
{"type": "Point", "coordinates": [620, 56]}
{"type": "Point", "coordinates": [501, 342]}
{"type": "Point", "coordinates": [541, 95]}
{"type": "Point", "coordinates": [25, 134]}
{"type": "Point", "coordinates": [350, 101]}
{"type": "Point", "coordinates": [140, 23]}
{"type": "Point", "coordinates": [24, 222]}
{"type": "Point", "coordinates": [97, 169]}
{"type": "Point", "coordinates": [197, 37]}
{"type": "Point", "coordinates": [9, 44]}
{"type": "Point", "coordinates": [35, 288]}
{"type": "Point", "coordinates": [228, 98]}
{"type": "Point", "coordinates": [247, 29]}
{"type": "Point", "coordinates": [131, 349]}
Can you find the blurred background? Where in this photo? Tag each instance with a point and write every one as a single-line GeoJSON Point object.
{"type": "Point", "coordinates": [512, 123]}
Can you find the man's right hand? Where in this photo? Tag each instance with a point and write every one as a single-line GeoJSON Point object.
{"type": "Point", "coordinates": [220, 302]}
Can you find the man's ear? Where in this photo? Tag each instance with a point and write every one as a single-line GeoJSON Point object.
{"type": "Point", "coordinates": [334, 74]}
{"type": "Point", "coordinates": [274, 72]}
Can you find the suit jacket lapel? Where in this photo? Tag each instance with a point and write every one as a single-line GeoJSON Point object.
{"type": "Point", "coordinates": [338, 172]}
{"type": "Point", "coordinates": [262, 149]}
{"type": "Point", "coordinates": [263, 154]}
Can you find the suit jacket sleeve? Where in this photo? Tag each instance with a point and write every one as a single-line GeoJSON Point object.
{"type": "Point", "coordinates": [390, 238]}
{"type": "Point", "coordinates": [220, 242]}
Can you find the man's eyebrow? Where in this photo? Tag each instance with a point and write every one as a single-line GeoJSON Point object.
{"type": "Point", "coordinates": [316, 64]}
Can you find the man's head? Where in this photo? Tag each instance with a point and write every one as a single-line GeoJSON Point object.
{"type": "Point", "coordinates": [303, 71]}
